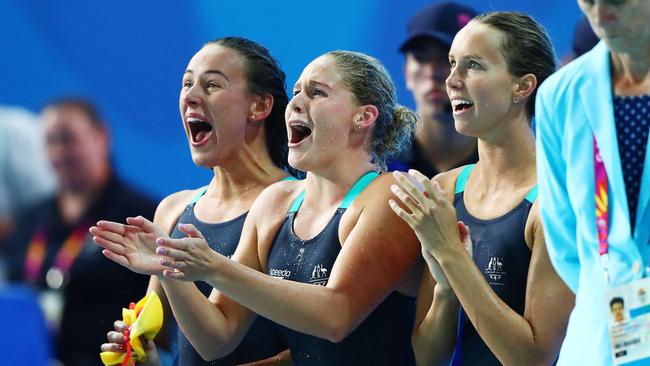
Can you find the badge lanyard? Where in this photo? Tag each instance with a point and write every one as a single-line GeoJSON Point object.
{"type": "Point", "coordinates": [602, 208]}
{"type": "Point", "coordinates": [64, 259]}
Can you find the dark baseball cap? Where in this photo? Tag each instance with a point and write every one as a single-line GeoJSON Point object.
{"type": "Point", "coordinates": [440, 21]}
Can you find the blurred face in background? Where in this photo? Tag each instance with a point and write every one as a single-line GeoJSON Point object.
{"type": "Point", "coordinates": [623, 24]}
{"type": "Point", "coordinates": [76, 148]}
{"type": "Point", "coordinates": [425, 72]}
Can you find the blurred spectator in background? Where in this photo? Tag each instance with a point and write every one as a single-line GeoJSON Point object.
{"type": "Point", "coordinates": [80, 292]}
{"type": "Point", "coordinates": [437, 147]}
{"type": "Point", "coordinates": [25, 175]}
{"type": "Point", "coordinates": [584, 39]}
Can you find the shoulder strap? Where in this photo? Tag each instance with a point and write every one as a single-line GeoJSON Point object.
{"type": "Point", "coordinates": [532, 195]}
{"type": "Point", "coordinates": [198, 195]}
{"type": "Point", "coordinates": [462, 178]}
{"type": "Point", "coordinates": [357, 188]}
{"type": "Point", "coordinates": [297, 203]}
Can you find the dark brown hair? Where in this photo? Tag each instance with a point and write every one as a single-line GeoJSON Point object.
{"type": "Point", "coordinates": [265, 77]}
{"type": "Point", "coordinates": [526, 47]}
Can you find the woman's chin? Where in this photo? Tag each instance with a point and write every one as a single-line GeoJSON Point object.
{"type": "Point", "coordinates": [203, 160]}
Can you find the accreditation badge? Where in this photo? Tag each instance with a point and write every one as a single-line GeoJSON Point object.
{"type": "Point", "coordinates": [629, 322]}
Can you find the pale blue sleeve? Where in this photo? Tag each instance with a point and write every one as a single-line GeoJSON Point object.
{"type": "Point", "coordinates": [557, 214]}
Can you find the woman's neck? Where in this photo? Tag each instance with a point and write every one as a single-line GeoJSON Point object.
{"type": "Point", "coordinates": [326, 189]}
{"type": "Point", "coordinates": [247, 173]}
{"type": "Point", "coordinates": [631, 72]}
{"type": "Point", "coordinates": [508, 157]}
{"type": "Point", "coordinates": [443, 147]}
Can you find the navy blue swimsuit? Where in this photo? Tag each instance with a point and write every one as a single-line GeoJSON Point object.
{"type": "Point", "coordinates": [383, 338]}
{"type": "Point", "coordinates": [263, 339]}
{"type": "Point", "coordinates": [501, 254]}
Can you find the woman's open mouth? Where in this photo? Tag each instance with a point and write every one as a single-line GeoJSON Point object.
{"type": "Point", "coordinates": [298, 133]}
{"type": "Point", "coordinates": [200, 131]}
{"type": "Point", "coordinates": [460, 105]}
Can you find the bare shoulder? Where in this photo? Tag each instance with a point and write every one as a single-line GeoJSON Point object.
{"type": "Point", "coordinates": [447, 180]}
{"type": "Point", "coordinates": [171, 208]}
{"type": "Point", "coordinates": [266, 216]}
{"type": "Point", "coordinates": [373, 200]}
{"type": "Point", "coordinates": [276, 198]}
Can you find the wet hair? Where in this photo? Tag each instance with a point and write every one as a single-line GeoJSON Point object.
{"type": "Point", "coordinates": [371, 84]}
{"type": "Point", "coordinates": [264, 77]}
{"type": "Point", "coordinates": [81, 104]}
{"type": "Point", "coordinates": [616, 300]}
{"type": "Point", "coordinates": [525, 46]}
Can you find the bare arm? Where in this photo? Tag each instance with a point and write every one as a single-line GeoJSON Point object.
{"type": "Point", "coordinates": [436, 322]}
{"type": "Point", "coordinates": [436, 317]}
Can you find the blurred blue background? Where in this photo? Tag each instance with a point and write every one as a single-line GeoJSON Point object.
{"type": "Point", "coordinates": [129, 57]}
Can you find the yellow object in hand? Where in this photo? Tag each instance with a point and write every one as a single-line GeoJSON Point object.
{"type": "Point", "coordinates": [144, 319]}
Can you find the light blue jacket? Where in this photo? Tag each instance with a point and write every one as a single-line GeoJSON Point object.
{"type": "Point", "coordinates": [572, 106]}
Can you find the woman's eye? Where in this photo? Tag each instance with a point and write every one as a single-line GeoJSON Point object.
{"type": "Point", "coordinates": [187, 84]}
{"type": "Point", "coordinates": [473, 65]}
{"type": "Point", "coordinates": [318, 92]}
{"type": "Point", "coordinates": [296, 92]}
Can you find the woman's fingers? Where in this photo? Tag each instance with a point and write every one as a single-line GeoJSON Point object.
{"type": "Point", "coordinates": [401, 213]}
{"type": "Point", "coordinates": [465, 237]}
{"type": "Point", "coordinates": [406, 199]}
{"type": "Point", "coordinates": [439, 195]}
{"type": "Point", "coordinates": [106, 244]}
{"type": "Point", "coordinates": [112, 347]}
{"type": "Point", "coordinates": [142, 223]}
{"type": "Point", "coordinates": [463, 230]}
{"type": "Point", "coordinates": [120, 326]}
{"type": "Point", "coordinates": [107, 235]}
{"type": "Point", "coordinates": [172, 253]}
{"type": "Point", "coordinates": [180, 244]}
{"type": "Point", "coordinates": [423, 180]}
{"type": "Point", "coordinates": [111, 226]}
{"type": "Point", "coordinates": [170, 263]}
{"type": "Point", "coordinates": [116, 337]}
{"type": "Point", "coordinates": [174, 274]}
{"type": "Point", "coordinates": [411, 186]}
{"type": "Point", "coordinates": [190, 230]}
{"type": "Point", "coordinates": [119, 259]}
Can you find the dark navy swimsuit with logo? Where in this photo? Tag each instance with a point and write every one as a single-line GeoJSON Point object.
{"type": "Point", "coordinates": [263, 339]}
{"type": "Point", "coordinates": [383, 338]}
{"type": "Point", "coordinates": [501, 254]}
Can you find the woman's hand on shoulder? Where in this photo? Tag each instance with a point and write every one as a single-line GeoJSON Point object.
{"type": "Point", "coordinates": [427, 209]}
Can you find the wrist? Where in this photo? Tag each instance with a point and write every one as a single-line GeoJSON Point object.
{"type": "Point", "coordinates": [217, 262]}
{"type": "Point", "coordinates": [453, 255]}
{"type": "Point", "coordinates": [443, 291]}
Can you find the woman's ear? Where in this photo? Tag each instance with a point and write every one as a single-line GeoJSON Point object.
{"type": "Point", "coordinates": [366, 117]}
{"type": "Point", "coordinates": [524, 87]}
{"type": "Point", "coordinates": [261, 107]}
